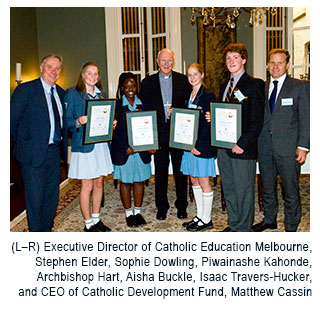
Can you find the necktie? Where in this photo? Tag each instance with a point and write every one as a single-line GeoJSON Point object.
{"type": "Point", "coordinates": [272, 99]}
{"type": "Point", "coordinates": [229, 92]}
{"type": "Point", "coordinates": [57, 123]}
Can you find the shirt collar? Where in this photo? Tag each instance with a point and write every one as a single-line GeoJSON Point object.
{"type": "Point", "coordinates": [237, 77]}
{"type": "Point", "coordinates": [280, 79]}
{"type": "Point", "coordinates": [97, 92]}
{"type": "Point", "coordinates": [165, 77]}
{"type": "Point", "coordinates": [125, 101]}
{"type": "Point", "coordinates": [46, 86]}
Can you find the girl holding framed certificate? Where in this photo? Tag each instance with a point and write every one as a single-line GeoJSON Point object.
{"type": "Point", "coordinates": [199, 163]}
{"type": "Point", "coordinates": [130, 167]}
{"type": "Point", "coordinates": [90, 162]}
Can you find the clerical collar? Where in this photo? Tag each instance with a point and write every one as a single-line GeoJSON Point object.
{"type": "Point", "coordinates": [165, 76]}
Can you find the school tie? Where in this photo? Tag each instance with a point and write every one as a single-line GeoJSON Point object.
{"type": "Point", "coordinates": [229, 92]}
{"type": "Point", "coordinates": [272, 99]}
{"type": "Point", "coordinates": [57, 123]}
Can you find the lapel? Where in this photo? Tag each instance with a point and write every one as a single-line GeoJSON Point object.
{"type": "Point", "coordinates": [175, 85]}
{"type": "Point", "coordinates": [158, 93]}
{"type": "Point", "coordinates": [197, 100]}
{"type": "Point", "coordinates": [284, 92]}
{"type": "Point", "coordinates": [267, 112]}
{"type": "Point", "coordinates": [242, 83]}
{"type": "Point", "coordinates": [40, 97]}
{"type": "Point", "coordinates": [222, 88]}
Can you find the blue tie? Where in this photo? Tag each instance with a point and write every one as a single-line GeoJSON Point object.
{"type": "Point", "coordinates": [57, 123]}
{"type": "Point", "coordinates": [272, 99]}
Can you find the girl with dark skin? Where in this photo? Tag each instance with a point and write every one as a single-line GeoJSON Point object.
{"type": "Point", "coordinates": [132, 168]}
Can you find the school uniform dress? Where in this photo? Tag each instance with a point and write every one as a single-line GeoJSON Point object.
{"type": "Point", "coordinates": [128, 168]}
{"type": "Point", "coordinates": [87, 161]}
{"type": "Point", "coordinates": [202, 165]}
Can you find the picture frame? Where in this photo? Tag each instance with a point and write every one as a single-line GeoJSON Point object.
{"type": "Point", "coordinates": [184, 125]}
{"type": "Point", "coordinates": [226, 124]}
{"type": "Point", "coordinates": [99, 127]}
{"type": "Point", "coordinates": [142, 130]}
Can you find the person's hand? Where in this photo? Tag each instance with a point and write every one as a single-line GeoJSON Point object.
{"type": "Point", "coordinates": [130, 151]}
{"type": "Point", "coordinates": [237, 150]}
{"type": "Point", "coordinates": [114, 124]}
{"type": "Point", "coordinates": [170, 112]}
{"type": "Point", "coordinates": [301, 156]}
{"type": "Point", "coordinates": [153, 151]}
{"type": "Point", "coordinates": [194, 151]}
{"type": "Point", "coordinates": [82, 120]}
{"type": "Point", "coordinates": [207, 116]}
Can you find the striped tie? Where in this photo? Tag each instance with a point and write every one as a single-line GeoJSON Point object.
{"type": "Point", "coordinates": [57, 123]}
{"type": "Point", "coordinates": [229, 92]}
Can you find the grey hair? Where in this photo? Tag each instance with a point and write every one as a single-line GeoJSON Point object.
{"type": "Point", "coordinates": [168, 50]}
{"type": "Point", "coordinates": [50, 56]}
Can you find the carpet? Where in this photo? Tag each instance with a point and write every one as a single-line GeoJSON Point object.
{"type": "Point", "coordinates": [69, 219]}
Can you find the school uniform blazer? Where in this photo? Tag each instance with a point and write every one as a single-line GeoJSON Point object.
{"type": "Point", "coordinates": [252, 114]}
{"type": "Point", "coordinates": [151, 97]}
{"type": "Point", "coordinates": [75, 107]}
{"type": "Point", "coordinates": [289, 125]}
{"type": "Point", "coordinates": [120, 143]}
{"type": "Point", "coordinates": [203, 143]}
{"type": "Point", "coordinates": [30, 123]}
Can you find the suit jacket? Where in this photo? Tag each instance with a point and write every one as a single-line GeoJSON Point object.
{"type": "Point", "coordinates": [289, 125]}
{"type": "Point", "coordinates": [30, 124]}
{"type": "Point", "coordinates": [203, 143]}
{"type": "Point", "coordinates": [120, 143]}
{"type": "Point", "coordinates": [252, 114]}
{"type": "Point", "coordinates": [151, 97]}
{"type": "Point", "coordinates": [76, 107]}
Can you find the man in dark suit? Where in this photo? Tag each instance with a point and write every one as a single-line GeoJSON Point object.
{"type": "Point", "coordinates": [284, 141]}
{"type": "Point", "coordinates": [160, 92]}
{"type": "Point", "coordinates": [36, 125]}
{"type": "Point", "coordinates": [237, 166]}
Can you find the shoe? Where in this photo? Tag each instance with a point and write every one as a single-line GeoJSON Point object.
{"type": "Point", "coordinates": [91, 229]}
{"type": "Point", "coordinates": [101, 227]}
{"type": "Point", "coordinates": [182, 214]}
{"type": "Point", "coordinates": [196, 227]}
{"type": "Point", "coordinates": [227, 229]}
{"type": "Point", "coordinates": [161, 215]}
{"type": "Point", "coordinates": [263, 226]}
{"type": "Point", "coordinates": [131, 221]}
{"type": "Point", "coordinates": [194, 220]}
{"type": "Point", "coordinates": [140, 220]}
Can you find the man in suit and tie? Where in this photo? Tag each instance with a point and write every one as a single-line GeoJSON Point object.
{"type": "Point", "coordinates": [160, 92]}
{"type": "Point", "coordinates": [284, 141]}
{"type": "Point", "coordinates": [237, 166]}
{"type": "Point", "coordinates": [37, 127]}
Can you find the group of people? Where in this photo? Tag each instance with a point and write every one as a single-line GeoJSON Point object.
{"type": "Point", "coordinates": [275, 131]}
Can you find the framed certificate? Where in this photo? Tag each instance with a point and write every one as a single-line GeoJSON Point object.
{"type": "Point", "coordinates": [184, 128]}
{"type": "Point", "coordinates": [142, 130]}
{"type": "Point", "coordinates": [99, 127]}
{"type": "Point", "coordinates": [225, 124]}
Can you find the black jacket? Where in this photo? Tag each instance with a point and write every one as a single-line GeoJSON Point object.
{"type": "Point", "coordinates": [151, 97]}
{"type": "Point", "coordinates": [203, 143]}
{"type": "Point", "coordinates": [252, 114]}
{"type": "Point", "coordinates": [120, 143]}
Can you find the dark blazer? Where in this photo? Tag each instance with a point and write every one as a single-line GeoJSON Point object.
{"type": "Point", "coordinates": [120, 143]}
{"type": "Point", "coordinates": [76, 107]}
{"type": "Point", "coordinates": [30, 124]}
{"type": "Point", "coordinates": [151, 97]}
{"type": "Point", "coordinates": [289, 125]}
{"type": "Point", "coordinates": [203, 143]}
{"type": "Point", "coordinates": [252, 114]}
